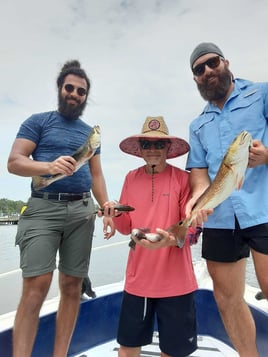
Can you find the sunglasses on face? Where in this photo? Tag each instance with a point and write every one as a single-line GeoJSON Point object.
{"type": "Point", "coordinates": [80, 91]}
{"type": "Point", "coordinates": [158, 145]}
{"type": "Point", "coordinates": [212, 63]}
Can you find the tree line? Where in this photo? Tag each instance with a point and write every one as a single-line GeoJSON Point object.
{"type": "Point", "coordinates": [9, 207]}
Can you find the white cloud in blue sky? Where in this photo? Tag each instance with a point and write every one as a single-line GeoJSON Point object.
{"type": "Point", "coordinates": [137, 56]}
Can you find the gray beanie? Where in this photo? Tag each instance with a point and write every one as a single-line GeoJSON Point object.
{"type": "Point", "coordinates": [202, 49]}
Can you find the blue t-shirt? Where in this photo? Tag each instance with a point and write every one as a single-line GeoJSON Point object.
{"type": "Point", "coordinates": [210, 136]}
{"type": "Point", "coordinates": [55, 136]}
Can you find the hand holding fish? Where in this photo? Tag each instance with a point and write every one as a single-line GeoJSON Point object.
{"type": "Point", "coordinates": [64, 165]}
{"type": "Point", "coordinates": [159, 239]}
{"type": "Point", "coordinates": [201, 215]}
{"type": "Point", "coordinates": [113, 209]}
{"type": "Point", "coordinates": [258, 154]}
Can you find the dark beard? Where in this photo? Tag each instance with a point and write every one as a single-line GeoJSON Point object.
{"type": "Point", "coordinates": [70, 111]}
{"type": "Point", "coordinates": [216, 91]}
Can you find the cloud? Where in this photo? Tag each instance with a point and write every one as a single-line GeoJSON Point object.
{"type": "Point", "coordinates": [137, 56]}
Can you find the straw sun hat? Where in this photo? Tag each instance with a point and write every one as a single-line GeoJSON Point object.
{"type": "Point", "coordinates": [154, 128]}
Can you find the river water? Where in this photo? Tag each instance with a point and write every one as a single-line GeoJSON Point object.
{"type": "Point", "coordinates": [108, 261]}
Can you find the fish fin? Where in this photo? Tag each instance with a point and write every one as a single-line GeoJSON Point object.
{"type": "Point", "coordinates": [180, 242]}
{"type": "Point", "coordinates": [239, 183]}
{"type": "Point", "coordinates": [39, 182]}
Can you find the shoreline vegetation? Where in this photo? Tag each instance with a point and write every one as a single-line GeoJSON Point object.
{"type": "Point", "coordinates": [9, 208]}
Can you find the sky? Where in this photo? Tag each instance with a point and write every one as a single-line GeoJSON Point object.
{"type": "Point", "coordinates": [136, 53]}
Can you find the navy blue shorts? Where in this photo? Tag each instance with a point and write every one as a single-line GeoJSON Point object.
{"type": "Point", "coordinates": [176, 322]}
{"type": "Point", "coordinates": [230, 245]}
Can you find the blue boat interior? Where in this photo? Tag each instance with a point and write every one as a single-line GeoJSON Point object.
{"type": "Point", "coordinates": [98, 318]}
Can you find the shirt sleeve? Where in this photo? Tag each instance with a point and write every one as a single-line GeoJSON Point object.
{"type": "Point", "coordinates": [197, 155]}
{"type": "Point", "coordinates": [30, 129]}
{"type": "Point", "coordinates": [266, 101]}
{"type": "Point", "coordinates": [185, 194]}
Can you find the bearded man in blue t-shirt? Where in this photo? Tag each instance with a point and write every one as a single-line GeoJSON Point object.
{"type": "Point", "coordinates": [59, 218]}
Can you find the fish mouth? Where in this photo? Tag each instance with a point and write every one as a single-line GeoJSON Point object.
{"type": "Point", "coordinates": [246, 137]}
{"type": "Point", "coordinates": [97, 129]}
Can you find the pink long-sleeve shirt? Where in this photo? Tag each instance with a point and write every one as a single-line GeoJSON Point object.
{"type": "Point", "coordinates": [165, 271]}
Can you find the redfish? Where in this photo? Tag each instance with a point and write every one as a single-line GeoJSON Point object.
{"type": "Point", "coordinates": [229, 177]}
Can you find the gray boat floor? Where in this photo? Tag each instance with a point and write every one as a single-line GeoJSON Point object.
{"type": "Point", "coordinates": [207, 347]}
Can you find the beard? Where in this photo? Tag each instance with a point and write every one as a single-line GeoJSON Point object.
{"type": "Point", "coordinates": [217, 90]}
{"type": "Point", "coordinates": [70, 111]}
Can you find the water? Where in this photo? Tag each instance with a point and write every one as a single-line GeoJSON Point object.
{"type": "Point", "coordinates": [107, 265]}
{"type": "Point", "coordinates": [108, 262]}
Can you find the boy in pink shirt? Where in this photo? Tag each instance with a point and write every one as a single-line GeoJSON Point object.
{"type": "Point", "coordinates": [160, 280]}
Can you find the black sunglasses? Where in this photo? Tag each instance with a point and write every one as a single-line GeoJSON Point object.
{"type": "Point", "coordinates": [80, 91]}
{"type": "Point", "coordinates": [212, 63]}
{"type": "Point", "coordinates": [158, 145]}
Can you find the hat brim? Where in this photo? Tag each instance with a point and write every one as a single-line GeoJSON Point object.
{"type": "Point", "coordinates": [177, 148]}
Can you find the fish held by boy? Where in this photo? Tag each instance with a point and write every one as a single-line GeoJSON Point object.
{"type": "Point", "coordinates": [230, 176]}
{"type": "Point", "coordinates": [81, 155]}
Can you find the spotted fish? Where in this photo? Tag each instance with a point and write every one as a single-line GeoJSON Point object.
{"type": "Point", "coordinates": [81, 155]}
{"type": "Point", "coordinates": [230, 176]}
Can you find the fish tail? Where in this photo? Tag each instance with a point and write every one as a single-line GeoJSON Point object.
{"type": "Point", "coordinates": [39, 182]}
{"type": "Point", "coordinates": [179, 231]}
{"type": "Point", "coordinates": [132, 244]}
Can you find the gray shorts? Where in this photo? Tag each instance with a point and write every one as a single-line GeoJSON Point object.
{"type": "Point", "coordinates": [48, 227]}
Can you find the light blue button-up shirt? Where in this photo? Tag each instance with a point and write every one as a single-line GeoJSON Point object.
{"type": "Point", "coordinates": [210, 136]}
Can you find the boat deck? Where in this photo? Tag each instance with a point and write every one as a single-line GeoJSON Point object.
{"type": "Point", "coordinates": [207, 347]}
{"type": "Point", "coordinates": [98, 320]}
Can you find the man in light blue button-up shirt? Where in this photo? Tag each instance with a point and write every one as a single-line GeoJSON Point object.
{"type": "Point", "coordinates": [240, 224]}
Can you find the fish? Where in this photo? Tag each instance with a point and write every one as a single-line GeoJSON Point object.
{"type": "Point", "coordinates": [230, 176]}
{"type": "Point", "coordinates": [118, 207]}
{"type": "Point", "coordinates": [81, 155]}
{"type": "Point", "coordinates": [143, 233]}
{"type": "Point", "coordinates": [87, 288]}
